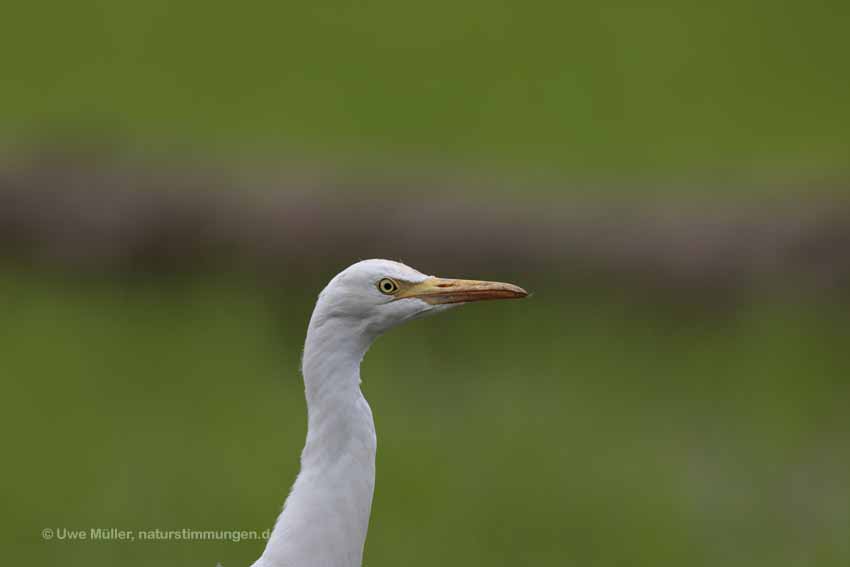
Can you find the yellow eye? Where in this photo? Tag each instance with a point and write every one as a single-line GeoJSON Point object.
{"type": "Point", "coordinates": [387, 286]}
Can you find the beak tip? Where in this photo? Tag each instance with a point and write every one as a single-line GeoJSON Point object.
{"type": "Point", "coordinates": [520, 293]}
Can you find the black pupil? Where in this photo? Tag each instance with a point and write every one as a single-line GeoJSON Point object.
{"type": "Point", "coordinates": [388, 286]}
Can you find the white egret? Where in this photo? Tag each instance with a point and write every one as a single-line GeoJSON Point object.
{"type": "Point", "coordinates": [326, 515]}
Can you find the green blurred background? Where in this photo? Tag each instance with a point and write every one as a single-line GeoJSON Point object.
{"type": "Point", "coordinates": [608, 420]}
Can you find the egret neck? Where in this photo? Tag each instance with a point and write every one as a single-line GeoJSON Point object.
{"type": "Point", "coordinates": [326, 515]}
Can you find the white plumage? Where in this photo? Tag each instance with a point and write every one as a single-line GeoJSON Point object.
{"type": "Point", "coordinates": [326, 516]}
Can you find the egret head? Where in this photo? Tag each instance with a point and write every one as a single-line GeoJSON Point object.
{"type": "Point", "coordinates": [373, 296]}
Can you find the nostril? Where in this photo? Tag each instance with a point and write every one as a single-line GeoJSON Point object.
{"type": "Point", "coordinates": [445, 285]}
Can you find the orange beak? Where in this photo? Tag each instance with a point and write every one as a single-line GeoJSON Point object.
{"type": "Point", "coordinates": [441, 290]}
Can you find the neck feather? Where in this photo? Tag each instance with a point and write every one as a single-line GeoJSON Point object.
{"type": "Point", "coordinates": [326, 516]}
